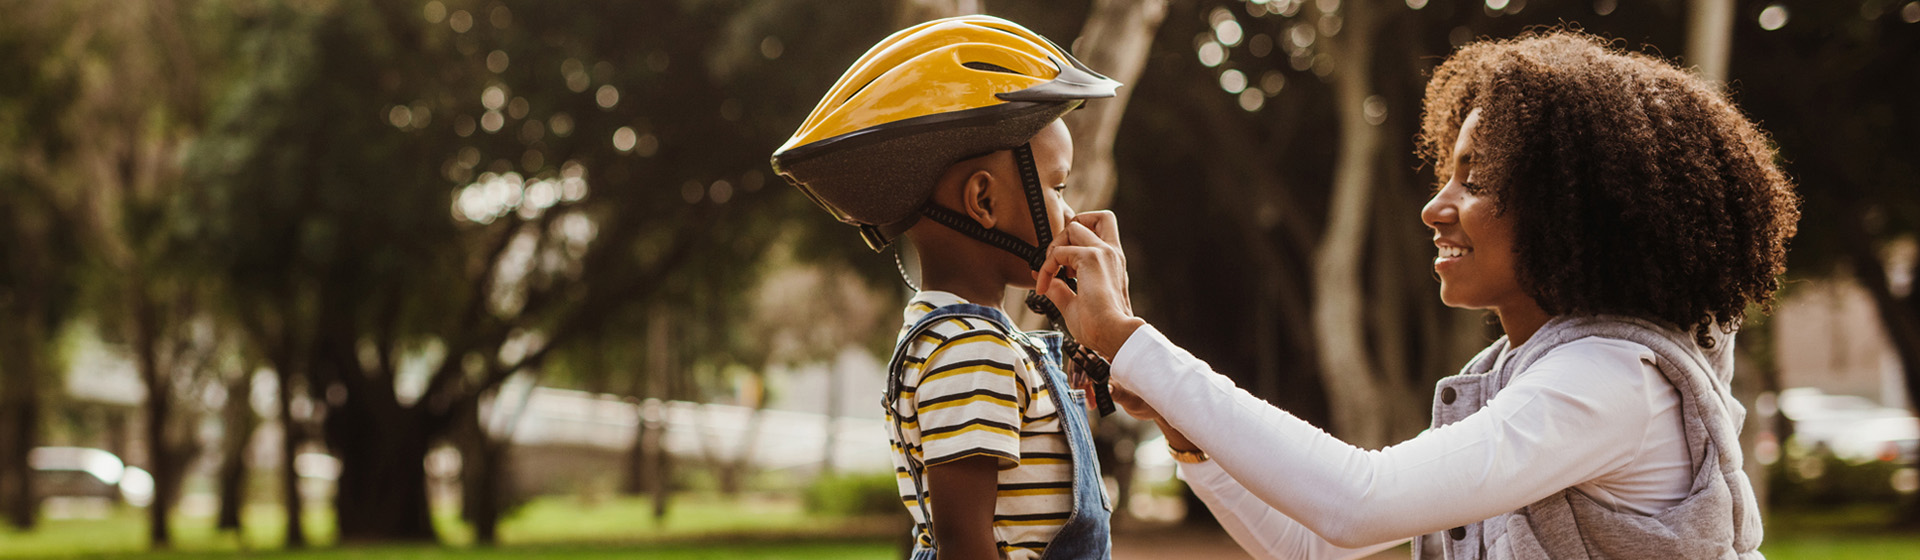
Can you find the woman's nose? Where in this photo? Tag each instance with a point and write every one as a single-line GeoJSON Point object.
{"type": "Point", "coordinates": [1439, 210]}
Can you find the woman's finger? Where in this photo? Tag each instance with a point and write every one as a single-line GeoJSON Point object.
{"type": "Point", "coordinates": [1078, 235]}
{"type": "Point", "coordinates": [1062, 257]}
{"type": "Point", "coordinates": [1103, 223]}
{"type": "Point", "coordinates": [1046, 278]}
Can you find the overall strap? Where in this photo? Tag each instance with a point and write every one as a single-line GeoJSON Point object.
{"type": "Point", "coordinates": [999, 321]}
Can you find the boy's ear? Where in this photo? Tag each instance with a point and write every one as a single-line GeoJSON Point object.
{"type": "Point", "coordinates": [976, 198]}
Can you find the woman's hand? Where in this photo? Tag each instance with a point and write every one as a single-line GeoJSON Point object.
{"type": "Point", "coordinates": [1132, 403]}
{"type": "Point", "coordinates": [1138, 408]}
{"type": "Point", "coordinates": [1101, 313]}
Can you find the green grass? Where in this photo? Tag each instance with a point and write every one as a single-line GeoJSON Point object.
{"type": "Point", "coordinates": [556, 527]}
{"type": "Point", "coordinates": [1837, 532]}
{"type": "Point", "coordinates": [817, 550]}
{"type": "Point", "coordinates": [707, 527]}
{"type": "Point", "coordinates": [1841, 547]}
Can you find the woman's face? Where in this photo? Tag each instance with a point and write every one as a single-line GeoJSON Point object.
{"type": "Point", "coordinates": [1476, 261]}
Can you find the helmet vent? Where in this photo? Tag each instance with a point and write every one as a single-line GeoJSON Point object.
{"type": "Point", "coordinates": [988, 67]}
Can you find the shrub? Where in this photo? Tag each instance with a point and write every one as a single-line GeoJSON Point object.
{"type": "Point", "coordinates": [854, 495]}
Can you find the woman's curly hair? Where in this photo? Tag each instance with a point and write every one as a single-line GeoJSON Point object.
{"type": "Point", "coordinates": [1635, 187]}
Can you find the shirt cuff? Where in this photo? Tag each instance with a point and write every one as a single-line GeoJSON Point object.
{"type": "Point", "coordinates": [1206, 475]}
{"type": "Point", "coordinates": [1145, 343]}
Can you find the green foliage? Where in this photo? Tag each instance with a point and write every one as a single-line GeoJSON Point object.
{"type": "Point", "coordinates": [1820, 479]}
{"type": "Point", "coordinates": [854, 494]}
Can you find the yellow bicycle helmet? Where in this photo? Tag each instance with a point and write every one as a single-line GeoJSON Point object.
{"type": "Point", "coordinates": [924, 98]}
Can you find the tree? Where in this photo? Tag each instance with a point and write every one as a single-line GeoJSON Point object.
{"type": "Point", "coordinates": [1834, 84]}
{"type": "Point", "coordinates": [34, 258]}
{"type": "Point", "coordinates": [589, 169]}
{"type": "Point", "coordinates": [130, 80]}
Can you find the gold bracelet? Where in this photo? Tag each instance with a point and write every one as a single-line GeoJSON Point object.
{"type": "Point", "coordinates": [1184, 456]}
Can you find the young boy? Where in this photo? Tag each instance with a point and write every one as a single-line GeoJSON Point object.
{"type": "Point", "coordinates": [957, 120]}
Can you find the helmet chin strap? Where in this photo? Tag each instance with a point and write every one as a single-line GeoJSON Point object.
{"type": "Point", "coordinates": [1088, 368]}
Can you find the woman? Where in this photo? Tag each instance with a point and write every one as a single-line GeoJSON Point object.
{"type": "Point", "coordinates": [1618, 215]}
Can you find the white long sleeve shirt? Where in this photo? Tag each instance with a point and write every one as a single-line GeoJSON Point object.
{"type": "Point", "coordinates": [1594, 415]}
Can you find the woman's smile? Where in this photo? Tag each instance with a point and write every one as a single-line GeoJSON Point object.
{"type": "Point", "coordinates": [1449, 255]}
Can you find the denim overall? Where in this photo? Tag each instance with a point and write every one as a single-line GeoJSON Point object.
{"type": "Point", "coordinates": [1086, 533]}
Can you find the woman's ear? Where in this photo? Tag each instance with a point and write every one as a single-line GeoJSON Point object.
{"type": "Point", "coordinates": [977, 198]}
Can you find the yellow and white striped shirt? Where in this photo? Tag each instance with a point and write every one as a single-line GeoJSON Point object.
{"type": "Point", "coordinates": [969, 390]}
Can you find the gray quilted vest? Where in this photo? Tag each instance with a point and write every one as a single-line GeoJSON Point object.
{"type": "Point", "coordinates": [1718, 518]}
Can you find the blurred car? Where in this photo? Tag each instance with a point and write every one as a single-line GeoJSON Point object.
{"type": "Point", "coordinates": [84, 472]}
{"type": "Point", "coordinates": [1892, 440]}
{"type": "Point", "coordinates": [1821, 421]}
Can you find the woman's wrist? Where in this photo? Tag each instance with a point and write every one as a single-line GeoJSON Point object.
{"type": "Point", "coordinates": [1176, 440]}
{"type": "Point", "coordinates": [1112, 335]}
{"type": "Point", "coordinates": [1183, 449]}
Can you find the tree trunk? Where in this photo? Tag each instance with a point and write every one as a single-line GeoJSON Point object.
{"type": "Point", "coordinates": [240, 421]}
{"type": "Point", "coordinates": [637, 468]}
{"type": "Point", "coordinates": [291, 436]}
{"type": "Point", "coordinates": [481, 478]}
{"type": "Point", "coordinates": [653, 437]}
{"type": "Point", "coordinates": [835, 377]}
{"type": "Point", "coordinates": [1710, 37]}
{"type": "Point", "coordinates": [1115, 41]}
{"type": "Point", "coordinates": [1899, 315]}
{"type": "Point", "coordinates": [653, 454]}
{"type": "Point", "coordinates": [1710, 50]}
{"type": "Point", "coordinates": [20, 417]}
{"type": "Point", "coordinates": [1355, 389]}
{"type": "Point", "coordinates": [382, 491]}
{"type": "Point", "coordinates": [145, 336]}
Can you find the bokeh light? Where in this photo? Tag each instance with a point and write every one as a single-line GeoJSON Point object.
{"type": "Point", "coordinates": [1228, 31]}
{"type": "Point", "coordinates": [576, 75]}
{"type": "Point", "coordinates": [1233, 81]}
{"type": "Point", "coordinates": [494, 97]}
{"type": "Point", "coordinates": [1773, 18]}
{"type": "Point", "coordinates": [1374, 109]}
{"type": "Point", "coordinates": [607, 96]}
{"type": "Point", "coordinates": [497, 61]}
{"type": "Point", "coordinates": [1212, 54]}
{"type": "Point", "coordinates": [624, 138]}
{"type": "Point", "coordinates": [500, 17]}
{"type": "Point", "coordinates": [1272, 82]}
{"type": "Point", "coordinates": [1251, 100]}
{"type": "Point", "coordinates": [692, 191]}
{"type": "Point", "coordinates": [460, 21]}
